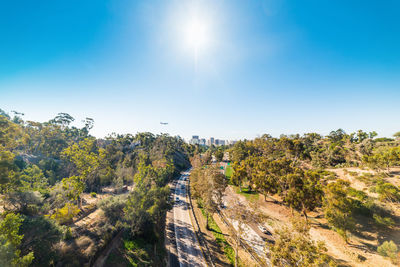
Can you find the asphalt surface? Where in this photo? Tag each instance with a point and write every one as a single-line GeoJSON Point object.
{"type": "Point", "coordinates": [188, 249]}
{"type": "Point", "coordinates": [251, 234]}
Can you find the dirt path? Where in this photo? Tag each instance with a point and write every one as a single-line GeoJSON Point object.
{"type": "Point", "coordinates": [100, 261]}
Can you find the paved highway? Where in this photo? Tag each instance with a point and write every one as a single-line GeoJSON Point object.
{"type": "Point", "coordinates": [188, 248]}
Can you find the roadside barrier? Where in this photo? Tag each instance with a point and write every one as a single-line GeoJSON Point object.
{"type": "Point", "coordinates": [198, 232]}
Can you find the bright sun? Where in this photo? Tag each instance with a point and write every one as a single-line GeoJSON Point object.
{"type": "Point", "coordinates": [197, 34]}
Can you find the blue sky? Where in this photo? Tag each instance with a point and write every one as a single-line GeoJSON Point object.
{"type": "Point", "coordinates": [271, 66]}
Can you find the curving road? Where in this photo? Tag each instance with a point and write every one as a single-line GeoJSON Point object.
{"type": "Point", "coordinates": [188, 249]}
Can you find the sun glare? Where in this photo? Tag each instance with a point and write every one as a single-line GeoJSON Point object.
{"type": "Point", "coordinates": [197, 34]}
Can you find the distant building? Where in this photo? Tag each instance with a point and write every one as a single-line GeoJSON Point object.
{"type": "Point", "coordinates": [195, 140]}
{"type": "Point", "coordinates": [212, 141]}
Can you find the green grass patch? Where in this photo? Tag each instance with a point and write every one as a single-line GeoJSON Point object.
{"type": "Point", "coordinates": [252, 196]}
{"type": "Point", "coordinates": [228, 172]}
{"type": "Point", "coordinates": [220, 238]}
{"type": "Point", "coordinates": [135, 252]}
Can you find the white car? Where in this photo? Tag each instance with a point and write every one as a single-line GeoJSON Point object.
{"type": "Point", "coordinates": [264, 230]}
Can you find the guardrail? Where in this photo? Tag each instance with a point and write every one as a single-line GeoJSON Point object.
{"type": "Point", "coordinates": [198, 233]}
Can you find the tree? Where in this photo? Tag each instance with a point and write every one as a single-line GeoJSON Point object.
{"type": "Point", "coordinates": [385, 157]}
{"type": "Point", "coordinates": [62, 119]}
{"type": "Point", "coordinates": [32, 178]}
{"type": "Point", "coordinates": [396, 135]}
{"type": "Point", "coordinates": [73, 187]}
{"type": "Point", "coordinates": [338, 207]}
{"type": "Point", "coordinates": [87, 159]}
{"type": "Point", "coordinates": [304, 192]}
{"type": "Point", "coordinates": [85, 155]}
{"type": "Point", "coordinates": [10, 240]}
{"type": "Point", "coordinates": [337, 136]}
{"type": "Point", "coordinates": [208, 185]}
{"type": "Point", "coordinates": [219, 154]}
{"type": "Point", "coordinates": [294, 247]}
{"type": "Point", "coordinates": [214, 185]}
{"type": "Point", "coordinates": [239, 174]}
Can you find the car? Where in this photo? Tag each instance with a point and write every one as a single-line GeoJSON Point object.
{"type": "Point", "coordinates": [264, 230]}
{"type": "Point", "coordinates": [177, 199]}
{"type": "Point", "coordinates": [182, 187]}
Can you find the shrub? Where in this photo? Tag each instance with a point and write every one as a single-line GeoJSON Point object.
{"type": "Point", "coordinates": [113, 208]}
{"type": "Point", "coordinates": [388, 249]}
{"type": "Point", "coordinates": [383, 221]}
{"type": "Point", "coordinates": [354, 174]}
{"type": "Point", "coordinates": [67, 235]}
{"type": "Point", "coordinates": [93, 194]}
{"type": "Point", "coordinates": [388, 192]}
{"type": "Point", "coordinates": [66, 213]}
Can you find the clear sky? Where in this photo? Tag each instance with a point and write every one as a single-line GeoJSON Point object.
{"type": "Point", "coordinates": [228, 69]}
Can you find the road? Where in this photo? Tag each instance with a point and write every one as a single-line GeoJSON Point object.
{"type": "Point", "coordinates": [251, 234]}
{"type": "Point", "coordinates": [187, 246]}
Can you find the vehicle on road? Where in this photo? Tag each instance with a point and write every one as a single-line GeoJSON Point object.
{"type": "Point", "coordinates": [177, 199]}
{"type": "Point", "coordinates": [264, 230]}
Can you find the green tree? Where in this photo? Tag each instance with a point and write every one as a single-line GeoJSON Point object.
{"type": "Point", "coordinates": [32, 178]}
{"type": "Point", "coordinates": [219, 154]}
{"type": "Point", "coordinates": [208, 186]}
{"type": "Point", "coordinates": [73, 187]}
{"type": "Point", "coordinates": [10, 240]}
{"type": "Point", "coordinates": [294, 247]}
{"type": "Point", "coordinates": [304, 191]}
{"type": "Point", "coordinates": [338, 207]}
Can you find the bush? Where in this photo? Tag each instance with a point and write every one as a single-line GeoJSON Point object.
{"type": "Point", "coordinates": [113, 208]}
{"type": "Point", "coordinates": [354, 174]}
{"type": "Point", "coordinates": [93, 194]}
{"type": "Point", "coordinates": [388, 192]}
{"type": "Point", "coordinates": [67, 235]}
{"type": "Point", "coordinates": [66, 213]}
{"type": "Point", "coordinates": [388, 249]}
{"type": "Point", "coordinates": [383, 221]}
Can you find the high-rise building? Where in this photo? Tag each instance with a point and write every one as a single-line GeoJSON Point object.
{"type": "Point", "coordinates": [195, 140]}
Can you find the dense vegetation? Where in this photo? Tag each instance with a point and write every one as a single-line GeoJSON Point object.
{"type": "Point", "coordinates": [299, 172]}
{"type": "Point", "coordinates": [47, 168]}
